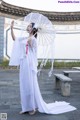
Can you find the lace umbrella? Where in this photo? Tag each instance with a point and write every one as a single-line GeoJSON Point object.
{"type": "Point", "coordinates": [45, 38]}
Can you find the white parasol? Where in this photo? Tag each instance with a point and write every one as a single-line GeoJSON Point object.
{"type": "Point", "coordinates": [45, 38]}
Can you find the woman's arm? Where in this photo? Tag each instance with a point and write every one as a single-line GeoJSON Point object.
{"type": "Point", "coordinates": [12, 32]}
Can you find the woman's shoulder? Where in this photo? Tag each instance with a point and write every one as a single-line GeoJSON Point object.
{"type": "Point", "coordinates": [33, 38]}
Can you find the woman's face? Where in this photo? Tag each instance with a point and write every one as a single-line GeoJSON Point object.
{"type": "Point", "coordinates": [29, 28]}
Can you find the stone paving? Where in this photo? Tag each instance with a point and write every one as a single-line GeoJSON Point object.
{"type": "Point", "coordinates": [10, 96]}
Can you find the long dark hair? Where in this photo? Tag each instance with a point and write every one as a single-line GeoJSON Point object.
{"type": "Point", "coordinates": [34, 30]}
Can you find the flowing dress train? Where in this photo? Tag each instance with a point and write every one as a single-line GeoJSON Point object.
{"type": "Point", "coordinates": [29, 89]}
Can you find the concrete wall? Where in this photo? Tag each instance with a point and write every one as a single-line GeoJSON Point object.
{"type": "Point", "coordinates": [1, 38]}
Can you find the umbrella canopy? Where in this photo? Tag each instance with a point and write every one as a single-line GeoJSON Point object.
{"type": "Point", "coordinates": [45, 37]}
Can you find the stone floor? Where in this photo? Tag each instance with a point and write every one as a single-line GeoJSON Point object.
{"type": "Point", "coordinates": [10, 96]}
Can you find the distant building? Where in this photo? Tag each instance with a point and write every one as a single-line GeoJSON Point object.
{"type": "Point", "coordinates": [11, 11]}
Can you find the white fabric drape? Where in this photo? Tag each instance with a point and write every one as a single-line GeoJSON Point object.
{"type": "Point", "coordinates": [29, 89]}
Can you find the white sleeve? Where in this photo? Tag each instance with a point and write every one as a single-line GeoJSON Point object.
{"type": "Point", "coordinates": [15, 54]}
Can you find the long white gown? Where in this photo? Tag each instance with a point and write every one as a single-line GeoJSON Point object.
{"type": "Point", "coordinates": [29, 89]}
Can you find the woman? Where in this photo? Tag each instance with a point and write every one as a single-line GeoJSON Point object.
{"type": "Point", "coordinates": [28, 67]}
{"type": "Point", "coordinates": [25, 50]}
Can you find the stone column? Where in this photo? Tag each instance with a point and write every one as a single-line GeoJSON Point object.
{"type": "Point", "coordinates": [1, 38]}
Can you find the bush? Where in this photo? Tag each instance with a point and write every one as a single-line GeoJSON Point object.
{"type": "Point", "coordinates": [66, 64]}
{"type": "Point", "coordinates": [62, 64]}
{"type": "Point", "coordinates": [4, 63]}
{"type": "Point", "coordinates": [57, 64]}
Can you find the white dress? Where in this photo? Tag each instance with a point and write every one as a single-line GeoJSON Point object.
{"type": "Point", "coordinates": [29, 89]}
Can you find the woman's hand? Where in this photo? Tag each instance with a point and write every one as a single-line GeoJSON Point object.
{"type": "Point", "coordinates": [12, 24]}
{"type": "Point", "coordinates": [30, 41]}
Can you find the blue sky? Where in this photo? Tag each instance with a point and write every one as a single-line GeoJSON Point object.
{"type": "Point", "coordinates": [48, 5]}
